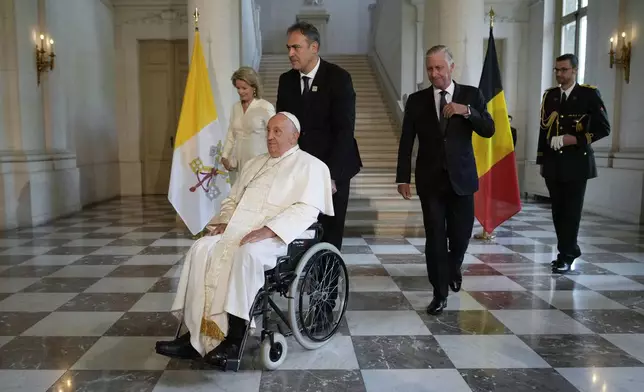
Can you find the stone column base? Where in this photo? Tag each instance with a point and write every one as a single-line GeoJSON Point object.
{"type": "Point", "coordinates": [37, 187]}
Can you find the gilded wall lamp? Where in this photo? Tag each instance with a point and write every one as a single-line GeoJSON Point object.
{"type": "Point", "coordinates": [622, 56]}
{"type": "Point", "coordinates": [44, 56]}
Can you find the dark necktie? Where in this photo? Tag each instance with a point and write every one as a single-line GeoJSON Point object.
{"type": "Point", "coordinates": [306, 89]}
{"type": "Point", "coordinates": [441, 119]}
{"type": "Point", "coordinates": [563, 98]}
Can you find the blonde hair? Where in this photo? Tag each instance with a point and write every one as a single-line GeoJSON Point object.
{"type": "Point", "coordinates": [248, 75]}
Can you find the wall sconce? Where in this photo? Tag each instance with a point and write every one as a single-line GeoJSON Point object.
{"type": "Point", "coordinates": [44, 57]}
{"type": "Point", "coordinates": [624, 57]}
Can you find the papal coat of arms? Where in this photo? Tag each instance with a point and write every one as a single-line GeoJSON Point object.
{"type": "Point", "coordinates": [206, 175]}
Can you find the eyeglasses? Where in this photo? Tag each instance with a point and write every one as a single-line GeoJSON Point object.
{"type": "Point", "coordinates": [562, 70]}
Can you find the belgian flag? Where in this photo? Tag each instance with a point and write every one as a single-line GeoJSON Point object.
{"type": "Point", "coordinates": [498, 197]}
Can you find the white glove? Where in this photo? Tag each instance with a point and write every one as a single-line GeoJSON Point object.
{"type": "Point", "coordinates": [556, 142]}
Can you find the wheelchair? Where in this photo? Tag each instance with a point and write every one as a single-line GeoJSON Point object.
{"type": "Point", "coordinates": [313, 278]}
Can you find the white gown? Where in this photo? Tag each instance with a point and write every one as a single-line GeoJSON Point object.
{"type": "Point", "coordinates": [246, 137]}
{"type": "Point", "coordinates": [219, 277]}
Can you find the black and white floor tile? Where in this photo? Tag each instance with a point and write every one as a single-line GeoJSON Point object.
{"type": "Point", "coordinates": [83, 299]}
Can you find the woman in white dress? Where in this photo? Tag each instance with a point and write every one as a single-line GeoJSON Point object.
{"type": "Point", "coordinates": [246, 136]}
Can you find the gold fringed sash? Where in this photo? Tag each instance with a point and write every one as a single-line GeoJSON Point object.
{"type": "Point", "coordinates": [211, 329]}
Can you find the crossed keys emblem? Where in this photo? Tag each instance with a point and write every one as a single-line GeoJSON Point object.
{"type": "Point", "coordinates": [206, 175]}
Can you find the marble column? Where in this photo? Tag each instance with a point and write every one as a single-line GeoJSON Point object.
{"type": "Point", "coordinates": [419, 65]}
{"type": "Point", "coordinates": [11, 79]}
{"type": "Point", "coordinates": [457, 24]}
{"type": "Point", "coordinates": [541, 60]}
{"type": "Point", "coordinates": [220, 30]}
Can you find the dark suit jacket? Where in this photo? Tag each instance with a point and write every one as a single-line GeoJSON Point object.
{"type": "Point", "coordinates": [452, 151]}
{"type": "Point", "coordinates": [583, 115]}
{"type": "Point", "coordinates": [327, 117]}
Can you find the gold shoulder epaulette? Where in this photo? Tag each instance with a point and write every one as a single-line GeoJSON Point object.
{"type": "Point", "coordinates": [588, 86]}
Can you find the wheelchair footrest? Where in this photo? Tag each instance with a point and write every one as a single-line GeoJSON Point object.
{"type": "Point", "coordinates": [231, 365]}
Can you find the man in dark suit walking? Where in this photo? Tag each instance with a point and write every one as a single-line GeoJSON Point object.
{"type": "Point", "coordinates": [573, 116]}
{"type": "Point", "coordinates": [321, 96]}
{"type": "Point", "coordinates": [443, 117]}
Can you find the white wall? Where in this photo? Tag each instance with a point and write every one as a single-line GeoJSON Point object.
{"type": "Point", "coordinates": [388, 42]}
{"type": "Point", "coordinates": [347, 29]}
{"type": "Point", "coordinates": [83, 93]}
{"type": "Point", "coordinates": [59, 137]}
{"type": "Point", "coordinates": [632, 115]}
{"type": "Point", "coordinates": [603, 20]}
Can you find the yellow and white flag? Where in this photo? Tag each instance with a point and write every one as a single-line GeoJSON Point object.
{"type": "Point", "coordinates": [198, 182]}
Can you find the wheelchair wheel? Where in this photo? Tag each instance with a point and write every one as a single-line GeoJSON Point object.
{"type": "Point", "coordinates": [318, 296]}
{"type": "Point", "coordinates": [272, 356]}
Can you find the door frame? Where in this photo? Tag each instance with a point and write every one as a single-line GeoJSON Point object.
{"type": "Point", "coordinates": [175, 107]}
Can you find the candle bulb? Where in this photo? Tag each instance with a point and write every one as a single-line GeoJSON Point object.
{"type": "Point", "coordinates": [51, 45]}
{"type": "Point", "coordinates": [611, 44]}
{"type": "Point", "coordinates": [42, 38]}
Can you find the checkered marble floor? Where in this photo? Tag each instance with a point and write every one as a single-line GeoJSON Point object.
{"type": "Point", "coordinates": [83, 299]}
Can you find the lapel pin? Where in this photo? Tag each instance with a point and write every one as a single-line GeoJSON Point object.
{"type": "Point", "coordinates": [314, 88]}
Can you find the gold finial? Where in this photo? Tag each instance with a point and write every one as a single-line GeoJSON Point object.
{"type": "Point", "coordinates": [196, 16]}
{"type": "Point", "coordinates": [491, 13]}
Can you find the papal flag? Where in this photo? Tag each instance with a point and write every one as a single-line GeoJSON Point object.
{"type": "Point", "coordinates": [498, 197]}
{"type": "Point", "coordinates": [198, 183]}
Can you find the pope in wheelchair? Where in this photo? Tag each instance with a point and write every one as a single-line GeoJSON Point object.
{"type": "Point", "coordinates": [265, 240]}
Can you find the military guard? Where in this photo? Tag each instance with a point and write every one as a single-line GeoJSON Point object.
{"type": "Point", "coordinates": [573, 117]}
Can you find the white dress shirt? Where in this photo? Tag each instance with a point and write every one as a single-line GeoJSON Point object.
{"type": "Point", "coordinates": [311, 76]}
{"type": "Point", "coordinates": [568, 91]}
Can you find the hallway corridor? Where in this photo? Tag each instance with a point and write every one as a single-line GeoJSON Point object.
{"type": "Point", "coordinates": [83, 299]}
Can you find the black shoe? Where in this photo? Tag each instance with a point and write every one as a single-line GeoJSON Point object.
{"type": "Point", "coordinates": [178, 348]}
{"type": "Point", "coordinates": [436, 306]}
{"type": "Point", "coordinates": [456, 281]}
{"type": "Point", "coordinates": [561, 267]}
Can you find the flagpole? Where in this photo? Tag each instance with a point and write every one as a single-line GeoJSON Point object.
{"type": "Point", "coordinates": [196, 16]}
{"type": "Point", "coordinates": [491, 13]}
{"type": "Point", "coordinates": [483, 235]}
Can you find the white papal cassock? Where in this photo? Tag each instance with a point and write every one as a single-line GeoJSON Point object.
{"type": "Point", "coordinates": [220, 277]}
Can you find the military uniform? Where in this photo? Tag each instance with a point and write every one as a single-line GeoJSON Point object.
{"type": "Point", "coordinates": [582, 114]}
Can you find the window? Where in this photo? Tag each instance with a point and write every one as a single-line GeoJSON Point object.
{"type": "Point", "coordinates": [574, 28]}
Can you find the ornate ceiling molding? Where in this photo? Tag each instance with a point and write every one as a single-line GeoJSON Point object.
{"type": "Point", "coordinates": [503, 19]}
{"type": "Point", "coordinates": [507, 11]}
{"type": "Point", "coordinates": [149, 3]}
{"type": "Point", "coordinates": [160, 17]}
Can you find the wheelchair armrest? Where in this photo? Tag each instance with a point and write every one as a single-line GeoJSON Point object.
{"type": "Point", "coordinates": [319, 231]}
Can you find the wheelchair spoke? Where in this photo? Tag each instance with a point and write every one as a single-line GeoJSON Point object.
{"type": "Point", "coordinates": [323, 289]}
